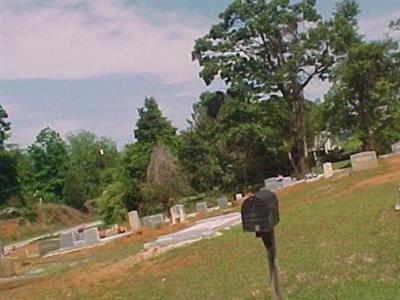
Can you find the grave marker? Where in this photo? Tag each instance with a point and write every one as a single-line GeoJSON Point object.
{"type": "Point", "coordinates": [46, 246]}
{"type": "Point", "coordinates": [201, 207]}
{"type": "Point", "coordinates": [153, 221]}
{"type": "Point", "coordinates": [178, 213]}
{"type": "Point", "coordinates": [134, 221]}
{"type": "Point", "coordinates": [91, 236]}
{"type": "Point", "coordinates": [66, 240]}
{"type": "Point", "coordinates": [364, 160]}
{"type": "Point", "coordinates": [222, 202]}
{"type": "Point", "coordinates": [272, 184]}
{"type": "Point", "coordinates": [396, 147]}
{"type": "Point", "coordinates": [239, 197]}
{"type": "Point", "coordinates": [328, 170]}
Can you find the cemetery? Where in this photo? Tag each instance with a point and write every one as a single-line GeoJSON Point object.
{"type": "Point", "coordinates": [226, 149]}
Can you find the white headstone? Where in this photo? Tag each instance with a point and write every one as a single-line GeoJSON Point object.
{"type": "Point", "coordinates": [178, 213]}
{"type": "Point", "coordinates": [134, 221]}
{"type": "Point", "coordinates": [153, 221]}
{"type": "Point", "coordinates": [91, 236]}
{"type": "Point", "coordinates": [364, 160]}
{"type": "Point", "coordinates": [328, 170]}
{"type": "Point", "coordinates": [201, 207]}
{"type": "Point", "coordinates": [396, 147]}
{"type": "Point", "coordinates": [222, 202]}
{"type": "Point", "coordinates": [239, 197]}
{"type": "Point", "coordinates": [67, 240]}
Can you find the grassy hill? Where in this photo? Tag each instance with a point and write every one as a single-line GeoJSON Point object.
{"type": "Point", "coordinates": [338, 238]}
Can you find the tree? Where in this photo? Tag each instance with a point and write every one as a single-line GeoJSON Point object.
{"type": "Point", "coordinates": [164, 181]}
{"type": "Point", "coordinates": [5, 127]}
{"type": "Point", "coordinates": [94, 159]}
{"type": "Point", "coordinates": [152, 127]}
{"type": "Point", "coordinates": [111, 205]}
{"type": "Point", "coordinates": [73, 193]}
{"type": "Point", "coordinates": [49, 158]}
{"type": "Point", "coordinates": [273, 50]}
{"type": "Point", "coordinates": [365, 96]}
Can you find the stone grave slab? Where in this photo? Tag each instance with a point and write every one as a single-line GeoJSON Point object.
{"type": "Point", "coordinates": [46, 246]}
{"type": "Point", "coordinates": [67, 240]}
{"type": "Point", "coordinates": [364, 161]}
{"type": "Point", "coordinates": [153, 221]}
{"type": "Point", "coordinates": [178, 213]}
{"type": "Point", "coordinates": [91, 236]}
{"type": "Point", "coordinates": [201, 207]}
{"type": "Point", "coordinates": [239, 197]}
{"type": "Point", "coordinates": [396, 147]}
{"type": "Point", "coordinates": [273, 183]}
{"type": "Point", "coordinates": [222, 202]}
{"type": "Point", "coordinates": [328, 170]}
{"type": "Point", "coordinates": [134, 221]}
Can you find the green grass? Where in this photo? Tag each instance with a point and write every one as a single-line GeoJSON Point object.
{"type": "Point", "coordinates": [335, 241]}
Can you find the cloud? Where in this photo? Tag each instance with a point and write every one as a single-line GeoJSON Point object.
{"type": "Point", "coordinates": [378, 27]}
{"type": "Point", "coordinates": [75, 40]}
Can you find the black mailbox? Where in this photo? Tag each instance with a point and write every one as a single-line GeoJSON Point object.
{"type": "Point", "coordinates": [260, 212]}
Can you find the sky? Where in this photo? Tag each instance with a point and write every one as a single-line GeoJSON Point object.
{"type": "Point", "coordinates": [75, 65]}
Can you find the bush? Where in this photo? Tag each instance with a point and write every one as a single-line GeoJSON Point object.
{"type": "Point", "coordinates": [111, 205]}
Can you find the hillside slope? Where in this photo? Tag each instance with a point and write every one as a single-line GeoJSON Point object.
{"type": "Point", "coordinates": [337, 239]}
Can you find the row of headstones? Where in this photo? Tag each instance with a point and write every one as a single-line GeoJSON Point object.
{"type": "Point", "coordinates": [70, 240]}
{"type": "Point", "coordinates": [360, 161]}
{"type": "Point", "coordinates": [178, 214]}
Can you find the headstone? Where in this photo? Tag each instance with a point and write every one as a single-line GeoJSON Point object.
{"type": "Point", "coordinates": [286, 181]}
{"type": "Point", "coordinates": [396, 147]}
{"type": "Point", "coordinates": [201, 207]}
{"type": "Point", "coordinates": [91, 236]}
{"type": "Point", "coordinates": [78, 236]}
{"type": "Point", "coordinates": [46, 246]}
{"type": "Point", "coordinates": [328, 170]}
{"type": "Point", "coordinates": [66, 240]}
{"type": "Point", "coordinates": [153, 221]}
{"type": "Point", "coordinates": [364, 160]}
{"type": "Point", "coordinates": [239, 197]}
{"type": "Point", "coordinates": [272, 183]}
{"type": "Point", "coordinates": [134, 221]}
{"type": "Point", "coordinates": [178, 213]}
{"type": "Point", "coordinates": [222, 202]}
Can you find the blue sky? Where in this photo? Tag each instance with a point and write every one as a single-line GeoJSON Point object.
{"type": "Point", "coordinates": [75, 65]}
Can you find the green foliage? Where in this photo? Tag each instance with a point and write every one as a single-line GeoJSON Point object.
{"type": "Point", "coordinates": [94, 159]}
{"type": "Point", "coordinates": [152, 127]}
{"type": "Point", "coordinates": [262, 50]}
{"type": "Point", "coordinates": [9, 183]}
{"type": "Point", "coordinates": [73, 192]}
{"type": "Point", "coordinates": [49, 158]}
{"type": "Point", "coordinates": [135, 160]}
{"type": "Point", "coordinates": [111, 205]}
{"type": "Point", "coordinates": [364, 99]}
{"type": "Point", "coordinates": [5, 127]}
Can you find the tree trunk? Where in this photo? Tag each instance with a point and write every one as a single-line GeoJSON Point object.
{"type": "Point", "coordinates": [299, 135]}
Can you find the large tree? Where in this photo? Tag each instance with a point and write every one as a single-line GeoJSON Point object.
{"type": "Point", "coordinates": [273, 50]}
{"type": "Point", "coordinates": [364, 100]}
{"type": "Point", "coordinates": [49, 158]}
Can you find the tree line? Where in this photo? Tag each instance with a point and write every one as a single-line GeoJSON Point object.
{"type": "Point", "coordinates": [267, 53]}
